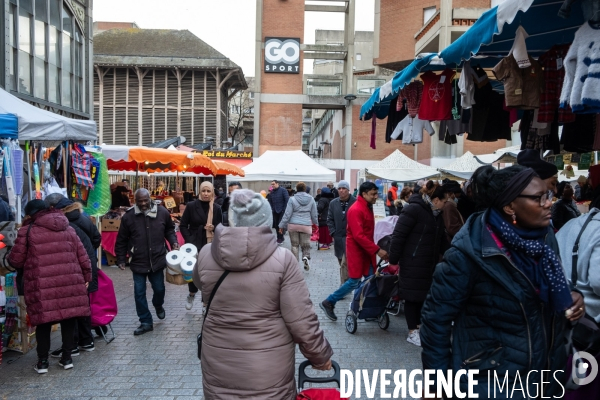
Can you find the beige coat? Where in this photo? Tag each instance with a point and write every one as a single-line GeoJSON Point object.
{"type": "Point", "coordinates": [259, 313]}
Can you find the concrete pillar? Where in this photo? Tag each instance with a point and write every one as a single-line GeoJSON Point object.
{"type": "Point", "coordinates": [446, 24]}
{"type": "Point", "coordinates": [349, 84]}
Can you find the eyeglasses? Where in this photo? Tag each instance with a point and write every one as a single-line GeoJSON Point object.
{"type": "Point", "coordinates": [543, 198]}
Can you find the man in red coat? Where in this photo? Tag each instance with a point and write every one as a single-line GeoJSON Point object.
{"type": "Point", "coordinates": [361, 249]}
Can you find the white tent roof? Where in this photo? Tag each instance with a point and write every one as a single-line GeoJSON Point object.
{"type": "Point", "coordinates": [507, 154]}
{"type": "Point", "coordinates": [398, 167]}
{"type": "Point", "coordinates": [286, 166]}
{"type": "Point", "coordinates": [38, 124]}
{"type": "Point", "coordinates": [463, 167]}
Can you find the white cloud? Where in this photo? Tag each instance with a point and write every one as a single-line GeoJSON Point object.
{"type": "Point", "coordinates": [227, 25]}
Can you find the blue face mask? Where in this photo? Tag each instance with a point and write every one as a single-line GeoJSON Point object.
{"type": "Point", "coordinates": [455, 200]}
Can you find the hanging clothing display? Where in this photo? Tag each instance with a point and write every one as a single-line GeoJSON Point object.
{"type": "Point", "coordinates": [554, 75]}
{"type": "Point", "coordinates": [458, 125]}
{"type": "Point", "coordinates": [578, 136]}
{"type": "Point", "coordinates": [412, 130]}
{"type": "Point", "coordinates": [522, 86]}
{"type": "Point", "coordinates": [373, 132]}
{"type": "Point", "coordinates": [466, 85]}
{"type": "Point", "coordinates": [436, 102]}
{"type": "Point", "coordinates": [413, 93]}
{"type": "Point", "coordinates": [596, 145]}
{"type": "Point", "coordinates": [519, 49]}
{"type": "Point", "coordinates": [490, 121]}
{"type": "Point", "coordinates": [394, 117]}
{"type": "Point", "coordinates": [538, 136]}
{"type": "Point", "coordinates": [581, 87]}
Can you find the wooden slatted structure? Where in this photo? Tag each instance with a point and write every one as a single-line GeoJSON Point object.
{"type": "Point", "coordinates": [151, 85]}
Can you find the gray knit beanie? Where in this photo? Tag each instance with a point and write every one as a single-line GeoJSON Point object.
{"type": "Point", "coordinates": [250, 209]}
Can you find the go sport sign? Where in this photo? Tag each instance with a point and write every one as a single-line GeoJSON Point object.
{"type": "Point", "coordinates": [282, 55]}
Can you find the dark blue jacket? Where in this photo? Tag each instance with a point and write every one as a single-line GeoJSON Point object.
{"type": "Point", "coordinates": [278, 199]}
{"type": "Point", "coordinates": [500, 323]}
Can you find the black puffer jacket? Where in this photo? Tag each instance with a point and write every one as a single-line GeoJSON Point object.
{"type": "Point", "coordinates": [89, 236]}
{"type": "Point", "coordinates": [146, 235]}
{"type": "Point", "coordinates": [323, 208]}
{"type": "Point", "coordinates": [417, 245]}
{"type": "Point", "coordinates": [500, 324]}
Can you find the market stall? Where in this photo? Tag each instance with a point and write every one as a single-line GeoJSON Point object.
{"type": "Point", "coordinates": [41, 154]}
{"type": "Point", "coordinates": [400, 168]}
{"type": "Point", "coordinates": [284, 166]}
{"type": "Point", "coordinates": [505, 155]}
{"type": "Point", "coordinates": [507, 67]}
{"type": "Point", "coordinates": [461, 168]}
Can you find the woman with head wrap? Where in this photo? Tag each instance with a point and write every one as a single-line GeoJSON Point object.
{"type": "Point", "coordinates": [500, 301]}
{"type": "Point", "coordinates": [198, 223]}
{"type": "Point", "coordinates": [261, 310]}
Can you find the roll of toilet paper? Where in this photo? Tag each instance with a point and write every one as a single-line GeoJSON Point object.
{"type": "Point", "coordinates": [174, 259]}
{"type": "Point", "coordinates": [187, 266]}
{"type": "Point", "coordinates": [189, 250]}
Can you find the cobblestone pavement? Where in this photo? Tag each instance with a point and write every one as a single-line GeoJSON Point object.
{"type": "Point", "coordinates": [162, 364]}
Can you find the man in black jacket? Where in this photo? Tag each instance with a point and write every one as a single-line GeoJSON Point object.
{"type": "Point", "coordinates": [336, 222]}
{"type": "Point", "coordinates": [142, 234]}
{"type": "Point", "coordinates": [234, 185]}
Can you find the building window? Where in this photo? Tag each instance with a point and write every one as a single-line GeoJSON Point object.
{"type": "Point", "coordinates": [366, 87]}
{"type": "Point", "coordinates": [46, 59]}
{"type": "Point", "coordinates": [251, 95]}
{"type": "Point", "coordinates": [428, 13]}
{"type": "Point", "coordinates": [358, 57]}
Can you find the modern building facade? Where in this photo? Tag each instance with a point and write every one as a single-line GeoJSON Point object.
{"type": "Point", "coordinates": [152, 85]}
{"type": "Point", "coordinates": [47, 50]}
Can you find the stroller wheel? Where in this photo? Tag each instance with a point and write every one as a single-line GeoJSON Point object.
{"type": "Point", "coordinates": [384, 321]}
{"type": "Point", "coordinates": [351, 322]}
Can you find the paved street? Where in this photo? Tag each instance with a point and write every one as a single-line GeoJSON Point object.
{"type": "Point", "coordinates": [162, 364]}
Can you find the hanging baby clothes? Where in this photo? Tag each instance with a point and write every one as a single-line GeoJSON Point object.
{"type": "Point", "coordinates": [413, 94]}
{"type": "Point", "coordinates": [412, 130]}
{"type": "Point", "coordinates": [394, 117]}
{"type": "Point", "coordinates": [554, 75]}
{"type": "Point", "coordinates": [519, 49]}
{"type": "Point", "coordinates": [581, 88]}
{"type": "Point", "coordinates": [522, 86]}
{"type": "Point", "coordinates": [436, 103]}
{"type": "Point", "coordinates": [458, 125]}
{"type": "Point", "coordinates": [466, 85]}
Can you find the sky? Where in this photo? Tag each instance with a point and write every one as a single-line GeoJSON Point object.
{"type": "Point", "coordinates": [227, 25]}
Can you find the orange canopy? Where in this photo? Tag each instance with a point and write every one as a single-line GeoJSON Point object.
{"type": "Point", "coordinates": [226, 168]}
{"type": "Point", "coordinates": [150, 159]}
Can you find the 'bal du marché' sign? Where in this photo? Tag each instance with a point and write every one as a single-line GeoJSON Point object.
{"type": "Point", "coordinates": [227, 154]}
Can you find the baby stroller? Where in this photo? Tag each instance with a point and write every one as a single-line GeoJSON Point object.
{"type": "Point", "coordinates": [372, 297]}
{"type": "Point", "coordinates": [103, 306]}
{"type": "Point", "coordinates": [383, 237]}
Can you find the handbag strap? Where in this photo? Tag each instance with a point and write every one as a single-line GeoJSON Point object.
{"type": "Point", "coordinates": [575, 253]}
{"type": "Point", "coordinates": [212, 294]}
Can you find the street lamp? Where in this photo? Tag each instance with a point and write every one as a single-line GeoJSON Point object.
{"type": "Point", "coordinates": [350, 97]}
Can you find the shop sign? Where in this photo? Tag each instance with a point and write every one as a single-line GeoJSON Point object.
{"type": "Point", "coordinates": [282, 55]}
{"type": "Point", "coordinates": [227, 154]}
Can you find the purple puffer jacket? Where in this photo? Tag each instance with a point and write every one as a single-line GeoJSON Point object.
{"type": "Point", "coordinates": [55, 268]}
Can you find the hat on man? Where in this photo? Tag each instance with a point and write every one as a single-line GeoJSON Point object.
{"type": "Point", "coordinates": [531, 158]}
{"type": "Point", "coordinates": [250, 209]}
{"type": "Point", "coordinates": [344, 184]}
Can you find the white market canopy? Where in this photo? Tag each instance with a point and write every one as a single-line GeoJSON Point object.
{"type": "Point", "coordinates": [462, 167]}
{"type": "Point", "coordinates": [398, 167]}
{"type": "Point", "coordinates": [292, 165]}
{"type": "Point", "coordinates": [41, 125]}
{"type": "Point", "coordinates": [506, 155]}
